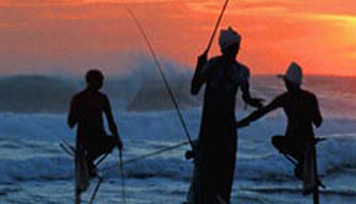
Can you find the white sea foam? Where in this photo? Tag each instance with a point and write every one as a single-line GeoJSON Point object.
{"type": "Point", "coordinates": [30, 150]}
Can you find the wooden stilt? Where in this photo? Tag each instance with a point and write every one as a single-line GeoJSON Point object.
{"type": "Point", "coordinates": [122, 173]}
{"type": "Point", "coordinates": [316, 196]}
{"type": "Point", "coordinates": [77, 196]}
{"type": "Point", "coordinates": [316, 190]}
{"type": "Point", "coordinates": [96, 190]}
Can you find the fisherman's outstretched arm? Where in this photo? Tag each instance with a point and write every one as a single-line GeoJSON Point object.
{"type": "Point", "coordinates": [72, 116]}
{"type": "Point", "coordinates": [317, 118]}
{"type": "Point", "coordinates": [259, 113]}
{"type": "Point", "coordinates": [200, 74]}
{"type": "Point", "coordinates": [246, 96]}
{"type": "Point", "coordinates": [111, 122]}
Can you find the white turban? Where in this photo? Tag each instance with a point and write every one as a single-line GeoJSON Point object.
{"type": "Point", "coordinates": [294, 74]}
{"type": "Point", "coordinates": [228, 37]}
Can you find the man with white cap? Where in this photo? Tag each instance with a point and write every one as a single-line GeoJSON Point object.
{"type": "Point", "coordinates": [302, 110]}
{"type": "Point", "coordinates": [216, 153]}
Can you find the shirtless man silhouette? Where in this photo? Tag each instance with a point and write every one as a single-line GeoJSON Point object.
{"type": "Point", "coordinates": [86, 111]}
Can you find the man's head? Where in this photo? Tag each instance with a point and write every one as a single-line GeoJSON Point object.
{"type": "Point", "coordinates": [94, 79]}
{"type": "Point", "coordinates": [229, 42]}
{"type": "Point", "coordinates": [293, 77]}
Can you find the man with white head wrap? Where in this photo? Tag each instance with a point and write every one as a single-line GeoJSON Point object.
{"type": "Point", "coordinates": [229, 37]}
{"type": "Point", "coordinates": [216, 153]}
{"type": "Point", "coordinates": [302, 110]}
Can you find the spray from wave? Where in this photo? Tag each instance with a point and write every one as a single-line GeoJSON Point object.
{"type": "Point", "coordinates": [140, 90]}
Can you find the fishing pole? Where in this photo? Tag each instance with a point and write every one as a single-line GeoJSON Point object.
{"type": "Point", "coordinates": [160, 69]}
{"type": "Point", "coordinates": [155, 58]}
{"type": "Point", "coordinates": [122, 173]}
{"type": "Point", "coordinates": [156, 152]}
{"type": "Point", "coordinates": [132, 161]}
{"type": "Point", "coordinates": [151, 154]}
{"type": "Point", "coordinates": [69, 150]}
{"type": "Point", "coordinates": [217, 26]}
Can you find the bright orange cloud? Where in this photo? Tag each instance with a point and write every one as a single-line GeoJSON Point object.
{"type": "Point", "coordinates": [37, 35]}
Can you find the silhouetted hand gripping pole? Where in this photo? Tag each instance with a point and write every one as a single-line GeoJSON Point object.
{"type": "Point", "coordinates": [203, 58]}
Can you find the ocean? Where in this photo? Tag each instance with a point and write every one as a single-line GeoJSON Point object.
{"type": "Point", "coordinates": [34, 168]}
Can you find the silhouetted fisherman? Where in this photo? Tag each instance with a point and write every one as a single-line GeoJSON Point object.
{"type": "Point", "coordinates": [302, 110]}
{"type": "Point", "coordinates": [86, 111]}
{"type": "Point", "coordinates": [216, 154]}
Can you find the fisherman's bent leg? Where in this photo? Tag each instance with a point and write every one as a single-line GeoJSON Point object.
{"type": "Point", "coordinates": [286, 146]}
{"type": "Point", "coordinates": [103, 145]}
{"type": "Point", "coordinates": [298, 154]}
{"type": "Point", "coordinates": [279, 142]}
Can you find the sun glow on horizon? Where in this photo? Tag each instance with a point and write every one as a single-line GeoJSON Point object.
{"type": "Point", "coordinates": [79, 33]}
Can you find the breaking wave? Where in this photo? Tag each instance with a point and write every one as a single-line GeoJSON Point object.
{"type": "Point", "coordinates": [30, 149]}
{"type": "Point", "coordinates": [140, 90]}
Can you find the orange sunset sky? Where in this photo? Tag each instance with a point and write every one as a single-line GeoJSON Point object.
{"type": "Point", "coordinates": [70, 36]}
